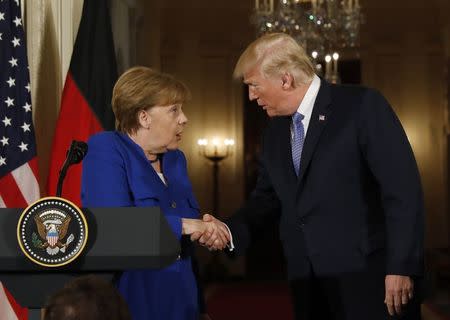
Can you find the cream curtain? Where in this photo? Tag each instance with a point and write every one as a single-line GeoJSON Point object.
{"type": "Point", "coordinates": [50, 28]}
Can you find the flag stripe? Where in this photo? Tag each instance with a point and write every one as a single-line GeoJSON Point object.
{"type": "Point", "coordinates": [93, 64]}
{"type": "Point", "coordinates": [2, 203]}
{"type": "Point", "coordinates": [6, 310]}
{"type": "Point", "coordinates": [10, 192]}
{"type": "Point", "coordinates": [21, 312]}
{"type": "Point", "coordinates": [27, 183]}
{"type": "Point", "coordinates": [33, 163]}
{"type": "Point", "coordinates": [67, 129]}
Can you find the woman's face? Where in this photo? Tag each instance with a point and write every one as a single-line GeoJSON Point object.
{"type": "Point", "coordinates": [166, 124]}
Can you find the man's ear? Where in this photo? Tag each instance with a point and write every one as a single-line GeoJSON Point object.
{"type": "Point", "coordinates": [144, 119]}
{"type": "Point", "coordinates": [287, 81]}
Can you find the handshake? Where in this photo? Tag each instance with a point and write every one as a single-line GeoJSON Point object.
{"type": "Point", "coordinates": [209, 232]}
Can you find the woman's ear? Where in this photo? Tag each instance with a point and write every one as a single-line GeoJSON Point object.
{"type": "Point", "coordinates": [287, 81]}
{"type": "Point", "coordinates": [144, 119]}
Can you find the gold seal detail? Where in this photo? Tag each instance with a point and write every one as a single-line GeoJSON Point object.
{"type": "Point", "coordinates": [52, 232]}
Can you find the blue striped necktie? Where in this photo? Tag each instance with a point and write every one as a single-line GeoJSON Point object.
{"type": "Point", "coordinates": [298, 137]}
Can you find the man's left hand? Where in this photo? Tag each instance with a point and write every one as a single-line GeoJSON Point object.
{"type": "Point", "coordinates": [399, 290]}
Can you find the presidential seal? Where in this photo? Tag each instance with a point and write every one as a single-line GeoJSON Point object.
{"type": "Point", "coordinates": [52, 232]}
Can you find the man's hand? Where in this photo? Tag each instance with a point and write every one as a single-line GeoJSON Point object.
{"type": "Point", "coordinates": [211, 232]}
{"type": "Point", "coordinates": [210, 240]}
{"type": "Point", "coordinates": [399, 290]}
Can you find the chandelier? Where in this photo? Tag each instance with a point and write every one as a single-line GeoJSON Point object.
{"type": "Point", "coordinates": [322, 27]}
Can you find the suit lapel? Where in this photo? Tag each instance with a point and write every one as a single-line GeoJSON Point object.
{"type": "Point", "coordinates": [319, 118]}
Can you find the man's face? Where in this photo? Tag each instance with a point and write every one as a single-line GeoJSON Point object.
{"type": "Point", "coordinates": [268, 92]}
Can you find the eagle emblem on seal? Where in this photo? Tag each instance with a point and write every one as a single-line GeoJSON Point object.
{"type": "Point", "coordinates": [52, 226]}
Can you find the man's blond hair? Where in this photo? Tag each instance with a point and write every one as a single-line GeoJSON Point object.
{"type": "Point", "coordinates": [276, 54]}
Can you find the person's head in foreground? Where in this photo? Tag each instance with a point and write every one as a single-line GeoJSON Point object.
{"type": "Point", "coordinates": [86, 298]}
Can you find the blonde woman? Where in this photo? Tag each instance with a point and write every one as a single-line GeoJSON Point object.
{"type": "Point", "coordinates": [140, 165]}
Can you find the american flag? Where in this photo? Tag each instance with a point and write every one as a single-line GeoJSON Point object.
{"type": "Point", "coordinates": [18, 162]}
{"type": "Point", "coordinates": [9, 308]}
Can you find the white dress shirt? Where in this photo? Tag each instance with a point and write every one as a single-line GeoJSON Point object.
{"type": "Point", "coordinates": [307, 104]}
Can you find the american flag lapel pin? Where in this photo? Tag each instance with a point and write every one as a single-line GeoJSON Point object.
{"type": "Point", "coordinates": [321, 117]}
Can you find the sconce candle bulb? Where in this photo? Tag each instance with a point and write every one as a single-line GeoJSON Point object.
{"type": "Point", "coordinates": [216, 149]}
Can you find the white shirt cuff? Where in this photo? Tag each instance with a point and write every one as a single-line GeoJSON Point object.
{"type": "Point", "coordinates": [230, 244]}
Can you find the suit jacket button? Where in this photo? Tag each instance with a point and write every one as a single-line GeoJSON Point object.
{"type": "Point", "coordinates": [173, 204]}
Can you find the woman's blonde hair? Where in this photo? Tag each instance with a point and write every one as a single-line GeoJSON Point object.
{"type": "Point", "coordinates": [275, 54]}
{"type": "Point", "coordinates": [141, 88]}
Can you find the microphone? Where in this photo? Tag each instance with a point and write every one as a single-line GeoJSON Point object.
{"type": "Point", "coordinates": [74, 155]}
{"type": "Point", "coordinates": [76, 152]}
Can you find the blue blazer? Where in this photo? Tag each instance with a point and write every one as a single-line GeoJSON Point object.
{"type": "Point", "coordinates": [358, 190]}
{"type": "Point", "coordinates": [116, 173]}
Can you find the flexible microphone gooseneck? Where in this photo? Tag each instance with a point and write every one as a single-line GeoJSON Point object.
{"type": "Point", "coordinates": [75, 154]}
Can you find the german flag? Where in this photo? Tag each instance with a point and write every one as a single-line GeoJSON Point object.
{"type": "Point", "coordinates": [86, 99]}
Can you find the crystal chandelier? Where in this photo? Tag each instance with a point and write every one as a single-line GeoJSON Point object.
{"type": "Point", "coordinates": [322, 27]}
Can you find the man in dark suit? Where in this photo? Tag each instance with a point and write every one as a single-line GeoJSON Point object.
{"type": "Point", "coordinates": [338, 172]}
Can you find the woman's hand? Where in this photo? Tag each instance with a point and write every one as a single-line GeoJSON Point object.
{"type": "Point", "coordinates": [214, 230]}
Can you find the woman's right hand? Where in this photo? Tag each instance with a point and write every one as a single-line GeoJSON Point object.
{"type": "Point", "coordinates": [214, 230]}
